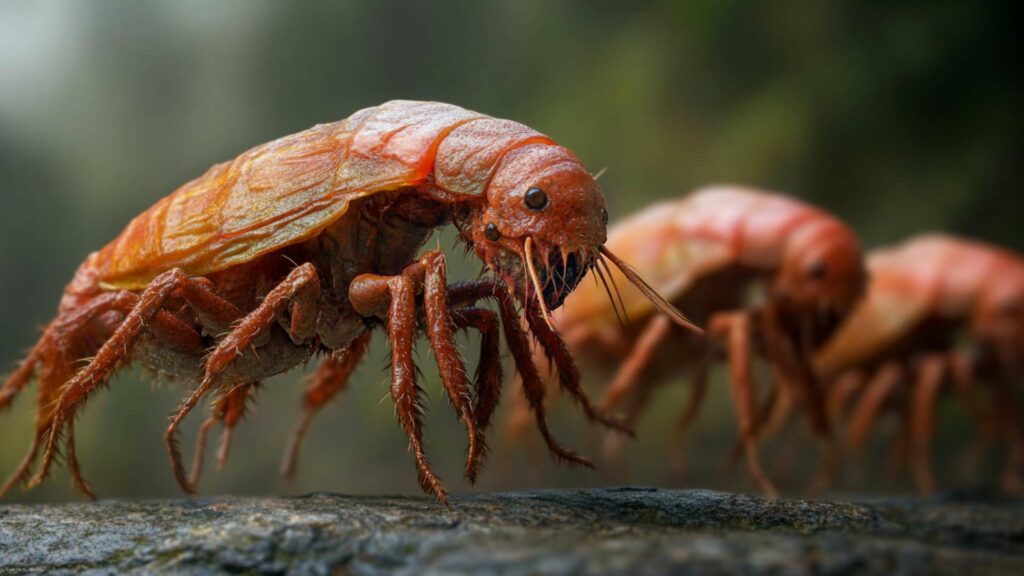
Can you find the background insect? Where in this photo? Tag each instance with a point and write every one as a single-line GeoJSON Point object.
{"type": "Point", "coordinates": [304, 244]}
{"type": "Point", "coordinates": [939, 309]}
{"type": "Point", "coordinates": [706, 253]}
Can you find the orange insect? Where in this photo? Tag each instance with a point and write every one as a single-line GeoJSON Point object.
{"type": "Point", "coordinates": [706, 252]}
{"type": "Point", "coordinates": [303, 245]}
{"type": "Point", "coordinates": [925, 296]}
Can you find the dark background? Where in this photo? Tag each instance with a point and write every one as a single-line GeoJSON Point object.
{"type": "Point", "coordinates": [899, 116]}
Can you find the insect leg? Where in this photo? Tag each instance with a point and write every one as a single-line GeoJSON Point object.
{"type": "Point", "coordinates": [300, 280]}
{"type": "Point", "coordinates": [487, 381]}
{"type": "Point", "coordinates": [614, 443]}
{"type": "Point", "coordinates": [698, 387]}
{"type": "Point", "coordinates": [930, 373]}
{"type": "Point", "coordinates": [76, 470]}
{"type": "Point", "coordinates": [568, 373]}
{"type": "Point", "coordinates": [1008, 419]}
{"type": "Point", "coordinates": [796, 378]}
{"type": "Point", "coordinates": [519, 346]}
{"type": "Point", "coordinates": [370, 296]}
{"type": "Point", "coordinates": [735, 329]}
{"type": "Point", "coordinates": [22, 375]}
{"type": "Point", "coordinates": [962, 368]}
{"type": "Point", "coordinates": [627, 380]}
{"type": "Point", "coordinates": [115, 352]}
{"type": "Point", "coordinates": [112, 354]}
{"type": "Point", "coordinates": [234, 411]}
{"type": "Point", "coordinates": [876, 392]}
{"type": "Point", "coordinates": [229, 410]}
{"type": "Point", "coordinates": [65, 340]}
{"type": "Point", "coordinates": [841, 392]}
{"type": "Point", "coordinates": [216, 314]}
{"type": "Point", "coordinates": [441, 335]}
{"type": "Point", "coordinates": [330, 379]}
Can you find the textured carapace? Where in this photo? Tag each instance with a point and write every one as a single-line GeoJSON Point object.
{"type": "Point", "coordinates": [934, 275]}
{"type": "Point", "coordinates": [706, 253]}
{"type": "Point", "coordinates": [305, 244]}
{"type": "Point", "coordinates": [813, 259]}
{"type": "Point", "coordinates": [938, 308]}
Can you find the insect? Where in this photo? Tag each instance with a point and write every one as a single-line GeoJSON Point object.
{"type": "Point", "coordinates": [939, 308]}
{"type": "Point", "coordinates": [706, 252]}
{"type": "Point", "coordinates": [304, 245]}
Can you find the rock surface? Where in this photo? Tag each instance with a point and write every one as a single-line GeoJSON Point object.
{"type": "Point", "coordinates": [632, 530]}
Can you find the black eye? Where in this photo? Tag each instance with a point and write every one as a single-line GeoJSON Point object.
{"type": "Point", "coordinates": [604, 216]}
{"type": "Point", "coordinates": [816, 270]}
{"type": "Point", "coordinates": [536, 199]}
{"type": "Point", "coordinates": [492, 233]}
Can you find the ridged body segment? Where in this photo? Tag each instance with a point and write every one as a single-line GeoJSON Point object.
{"type": "Point", "coordinates": [932, 275]}
{"type": "Point", "coordinates": [676, 242]}
{"type": "Point", "coordinates": [289, 190]}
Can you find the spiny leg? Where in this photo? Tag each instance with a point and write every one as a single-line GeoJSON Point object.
{"type": "Point", "coordinates": [302, 285]}
{"type": "Point", "coordinates": [54, 357]}
{"type": "Point", "coordinates": [930, 373]}
{"type": "Point", "coordinates": [519, 346]}
{"type": "Point", "coordinates": [168, 329]}
{"type": "Point", "coordinates": [519, 420]}
{"type": "Point", "coordinates": [568, 373]}
{"type": "Point", "coordinates": [735, 328]}
{"type": "Point", "coordinates": [330, 379]}
{"type": "Point", "coordinates": [76, 470]}
{"type": "Point", "coordinates": [228, 410]}
{"type": "Point", "coordinates": [441, 334]}
{"type": "Point", "coordinates": [22, 375]}
{"type": "Point", "coordinates": [487, 381]}
{"type": "Point", "coordinates": [370, 295]}
{"type": "Point", "coordinates": [114, 352]}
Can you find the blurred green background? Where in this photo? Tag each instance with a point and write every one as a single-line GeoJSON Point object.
{"type": "Point", "coordinates": [899, 116]}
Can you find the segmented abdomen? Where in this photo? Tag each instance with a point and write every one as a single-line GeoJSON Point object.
{"type": "Point", "coordinates": [289, 190]}
{"type": "Point", "coordinates": [674, 243]}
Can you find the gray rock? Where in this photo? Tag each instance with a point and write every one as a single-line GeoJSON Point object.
{"type": "Point", "coordinates": [630, 530]}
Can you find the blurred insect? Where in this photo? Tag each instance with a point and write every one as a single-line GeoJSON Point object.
{"type": "Point", "coordinates": [303, 245]}
{"type": "Point", "coordinates": [938, 309]}
{"type": "Point", "coordinates": [705, 253]}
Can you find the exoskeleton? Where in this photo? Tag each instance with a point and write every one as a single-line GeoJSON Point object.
{"type": "Point", "coordinates": [939, 309]}
{"type": "Point", "coordinates": [706, 253]}
{"type": "Point", "coordinates": [304, 245]}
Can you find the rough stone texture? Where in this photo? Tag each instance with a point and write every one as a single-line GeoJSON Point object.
{"type": "Point", "coordinates": [632, 530]}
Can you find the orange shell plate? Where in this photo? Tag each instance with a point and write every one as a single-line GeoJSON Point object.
{"type": "Point", "coordinates": [279, 193]}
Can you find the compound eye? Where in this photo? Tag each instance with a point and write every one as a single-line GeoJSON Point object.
{"type": "Point", "coordinates": [817, 270]}
{"type": "Point", "coordinates": [492, 233]}
{"type": "Point", "coordinates": [536, 199]}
